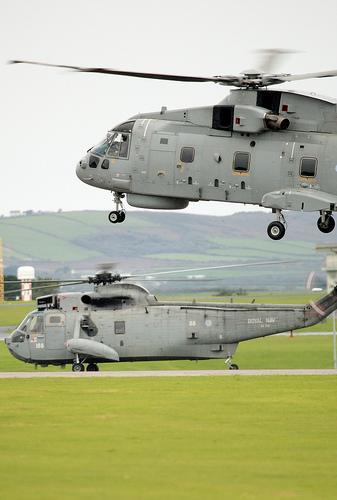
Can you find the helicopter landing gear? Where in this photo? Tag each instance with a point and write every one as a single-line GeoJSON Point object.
{"type": "Point", "coordinates": [231, 366]}
{"type": "Point", "coordinates": [78, 367]}
{"type": "Point", "coordinates": [277, 229]}
{"type": "Point", "coordinates": [118, 215]}
{"type": "Point", "coordinates": [326, 223]}
{"type": "Point", "coordinates": [92, 367]}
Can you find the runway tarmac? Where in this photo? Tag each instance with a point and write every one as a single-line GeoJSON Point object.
{"type": "Point", "coordinates": [166, 373]}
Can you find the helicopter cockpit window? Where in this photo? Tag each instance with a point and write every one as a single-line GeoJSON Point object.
{"type": "Point", "coordinates": [32, 324]}
{"type": "Point", "coordinates": [101, 148]}
{"type": "Point", "coordinates": [36, 324]}
{"type": "Point", "coordinates": [93, 161]}
{"type": "Point", "coordinates": [17, 337]}
{"type": "Point", "coordinates": [187, 155]}
{"type": "Point", "coordinates": [308, 167]}
{"type": "Point", "coordinates": [118, 145]}
{"type": "Point", "coordinates": [241, 161]}
{"type": "Point", "coordinates": [125, 127]}
{"type": "Point", "coordinates": [23, 325]}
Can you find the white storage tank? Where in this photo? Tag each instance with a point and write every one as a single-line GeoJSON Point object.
{"type": "Point", "coordinates": [26, 274]}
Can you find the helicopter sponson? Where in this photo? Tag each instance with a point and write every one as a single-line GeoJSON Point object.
{"type": "Point", "coordinates": [124, 322]}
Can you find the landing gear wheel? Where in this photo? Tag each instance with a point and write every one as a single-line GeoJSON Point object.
{"type": "Point", "coordinates": [117, 216]}
{"type": "Point", "coordinates": [276, 230]}
{"type": "Point", "coordinates": [113, 217]}
{"type": "Point", "coordinates": [233, 367]}
{"type": "Point", "coordinates": [121, 216]}
{"type": "Point", "coordinates": [92, 367]}
{"type": "Point", "coordinates": [78, 367]}
{"type": "Point", "coordinates": [328, 225]}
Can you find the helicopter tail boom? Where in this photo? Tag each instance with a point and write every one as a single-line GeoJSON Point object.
{"type": "Point", "coordinates": [317, 311]}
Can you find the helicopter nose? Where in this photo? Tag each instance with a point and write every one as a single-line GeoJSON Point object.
{"type": "Point", "coordinates": [79, 170]}
{"type": "Point", "coordinates": [83, 172]}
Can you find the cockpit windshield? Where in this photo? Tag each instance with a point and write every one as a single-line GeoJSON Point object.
{"type": "Point", "coordinates": [101, 148]}
{"type": "Point", "coordinates": [33, 323]}
{"type": "Point", "coordinates": [116, 144]}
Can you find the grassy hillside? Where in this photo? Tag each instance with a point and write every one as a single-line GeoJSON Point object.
{"type": "Point", "coordinates": [156, 240]}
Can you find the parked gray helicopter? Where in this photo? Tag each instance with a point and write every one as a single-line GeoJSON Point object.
{"type": "Point", "coordinates": [272, 148]}
{"type": "Point", "coordinates": [121, 321]}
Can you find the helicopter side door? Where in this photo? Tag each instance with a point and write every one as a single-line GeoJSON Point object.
{"type": "Point", "coordinates": [266, 166]}
{"type": "Point", "coordinates": [162, 161]}
{"type": "Point", "coordinates": [299, 164]}
{"type": "Point", "coordinates": [187, 166]}
{"type": "Point", "coordinates": [55, 333]}
{"type": "Point", "coordinates": [289, 164]}
{"type": "Point", "coordinates": [34, 330]}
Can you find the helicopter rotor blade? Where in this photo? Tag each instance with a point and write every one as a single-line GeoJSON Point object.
{"type": "Point", "coordinates": [185, 280]}
{"type": "Point", "coordinates": [305, 76]}
{"type": "Point", "coordinates": [269, 59]}
{"type": "Point", "coordinates": [106, 266]}
{"type": "Point", "coordinates": [55, 285]}
{"type": "Point", "coordinates": [226, 266]}
{"type": "Point", "coordinates": [254, 79]}
{"type": "Point", "coordinates": [224, 80]}
{"type": "Point", "coordinates": [39, 281]}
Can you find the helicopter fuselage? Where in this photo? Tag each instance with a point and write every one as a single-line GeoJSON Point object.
{"type": "Point", "coordinates": [276, 149]}
{"type": "Point", "coordinates": [125, 323]}
{"type": "Point", "coordinates": [268, 148]}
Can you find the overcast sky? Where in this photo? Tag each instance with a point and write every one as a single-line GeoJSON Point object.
{"type": "Point", "coordinates": [50, 117]}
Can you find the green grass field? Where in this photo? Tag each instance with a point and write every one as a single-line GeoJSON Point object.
{"type": "Point", "coordinates": [12, 313]}
{"type": "Point", "coordinates": [186, 438]}
{"type": "Point", "coordinates": [209, 438]}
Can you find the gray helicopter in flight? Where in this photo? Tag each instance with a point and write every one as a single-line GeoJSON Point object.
{"type": "Point", "coordinates": [122, 321]}
{"type": "Point", "coordinates": [272, 148]}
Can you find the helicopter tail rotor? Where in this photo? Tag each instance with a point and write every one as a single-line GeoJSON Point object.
{"type": "Point", "coordinates": [269, 60]}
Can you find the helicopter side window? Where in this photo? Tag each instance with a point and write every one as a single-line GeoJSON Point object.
{"type": "Point", "coordinates": [187, 155]}
{"type": "Point", "coordinates": [119, 145]}
{"type": "Point", "coordinates": [105, 164]}
{"type": "Point", "coordinates": [17, 337]}
{"type": "Point", "coordinates": [308, 167]}
{"type": "Point", "coordinates": [119, 327]}
{"type": "Point", "coordinates": [36, 324]}
{"type": "Point", "coordinates": [23, 325]}
{"type": "Point", "coordinates": [241, 161]}
{"type": "Point", "coordinates": [32, 323]}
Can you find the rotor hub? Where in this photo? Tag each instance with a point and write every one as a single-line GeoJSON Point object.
{"type": "Point", "coordinates": [104, 278]}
